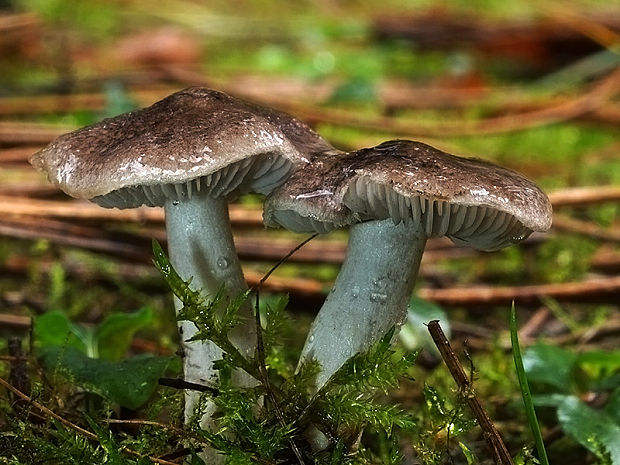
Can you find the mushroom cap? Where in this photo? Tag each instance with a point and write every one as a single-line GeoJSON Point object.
{"type": "Point", "coordinates": [311, 199]}
{"type": "Point", "coordinates": [471, 201]}
{"type": "Point", "coordinates": [189, 135]}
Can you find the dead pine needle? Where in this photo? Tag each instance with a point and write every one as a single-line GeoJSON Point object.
{"type": "Point", "coordinates": [492, 437]}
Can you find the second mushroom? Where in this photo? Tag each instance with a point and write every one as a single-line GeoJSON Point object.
{"type": "Point", "coordinates": [394, 197]}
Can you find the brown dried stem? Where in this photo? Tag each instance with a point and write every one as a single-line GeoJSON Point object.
{"type": "Point", "coordinates": [491, 435]}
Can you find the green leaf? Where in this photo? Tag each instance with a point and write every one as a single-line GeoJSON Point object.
{"type": "Point", "coordinates": [115, 333]}
{"type": "Point", "coordinates": [549, 365]}
{"type": "Point", "coordinates": [598, 363]}
{"type": "Point", "coordinates": [129, 383]}
{"type": "Point", "coordinates": [593, 429]}
{"type": "Point", "coordinates": [55, 329]}
{"type": "Point", "coordinates": [469, 455]}
{"type": "Point", "coordinates": [414, 333]}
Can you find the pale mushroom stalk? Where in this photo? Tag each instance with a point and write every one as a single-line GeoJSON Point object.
{"type": "Point", "coordinates": [370, 294]}
{"type": "Point", "coordinates": [201, 247]}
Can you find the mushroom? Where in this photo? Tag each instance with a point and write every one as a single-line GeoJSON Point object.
{"type": "Point", "coordinates": [189, 153]}
{"type": "Point", "coordinates": [395, 196]}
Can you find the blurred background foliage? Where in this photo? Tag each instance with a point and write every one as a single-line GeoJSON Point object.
{"type": "Point", "coordinates": [529, 85]}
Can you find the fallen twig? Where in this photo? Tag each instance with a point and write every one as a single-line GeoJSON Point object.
{"type": "Point", "coordinates": [534, 324]}
{"type": "Point", "coordinates": [578, 196]}
{"type": "Point", "coordinates": [84, 210]}
{"type": "Point", "coordinates": [593, 290]}
{"type": "Point", "coordinates": [606, 259]}
{"type": "Point", "coordinates": [29, 134]}
{"type": "Point", "coordinates": [586, 228]}
{"type": "Point", "coordinates": [490, 433]}
{"type": "Point", "coordinates": [11, 22]}
{"type": "Point", "coordinates": [17, 154]}
{"type": "Point", "coordinates": [13, 322]}
{"type": "Point", "coordinates": [134, 248]}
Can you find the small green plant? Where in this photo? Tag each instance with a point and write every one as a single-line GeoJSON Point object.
{"type": "Point", "coordinates": [560, 379]}
{"type": "Point", "coordinates": [270, 423]}
{"type": "Point", "coordinates": [94, 357]}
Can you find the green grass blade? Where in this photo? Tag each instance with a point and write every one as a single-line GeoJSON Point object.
{"type": "Point", "coordinates": [525, 389]}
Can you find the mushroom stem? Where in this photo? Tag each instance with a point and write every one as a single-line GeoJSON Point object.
{"type": "Point", "coordinates": [370, 294]}
{"type": "Point", "coordinates": [201, 247]}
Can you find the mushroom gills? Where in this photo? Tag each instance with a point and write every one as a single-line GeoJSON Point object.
{"type": "Point", "coordinates": [376, 201]}
{"type": "Point", "coordinates": [261, 173]}
{"type": "Point", "coordinates": [489, 231]}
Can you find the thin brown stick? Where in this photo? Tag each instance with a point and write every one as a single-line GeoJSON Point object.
{"type": "Point", "coordinates": [17, 154]}
{"type": "Point", "coordinates": [491, 435]}
{"type": "Point", "coordinates": [28, 189]}
{"type": "Point", "coordinates": [12, 22]}
{"type": "Point", "coordinates": [606, 289]}
{"type": "Point", "coordinates": [28, 134]}
{"type": "Point", "coordinates": [48, 412]}
{"type": "Point", "coordinates": [579, 196]}
{"type": "Point", "coordinates": [41, 104]}
{"type": "Point", "coordinates": [534, 324]}
{"type": "Point", "coordinates": [13, 322]}
{"type": "Point", "coordinates": [593, 290]}
{"type": "Point", "coordinates": [179, 383]}
{"type": "Point", "coordinates": [178, 431]}
{"type": "Point", "coordinates": [82, 238]}
{"type": "Point", "coordinates": [586, 228]}
{"type": "Point", "coordinates": [84, 210]}
{"type": "Point", "coordinates": [585, 103]}
{"type": "Point", "coordinates": [589, 26]}
{"type": "Point", "coordinates": [588, 101]}
{"type": "Point", "coordinates": [43, 409]}
{"type": "Point", "coordinates": [606, 259]}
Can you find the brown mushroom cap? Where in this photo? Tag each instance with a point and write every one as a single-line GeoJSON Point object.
{"type": "Point", "coordinates": [194, 139]}
{"type": "Point", "coordinates": [471, 201]}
